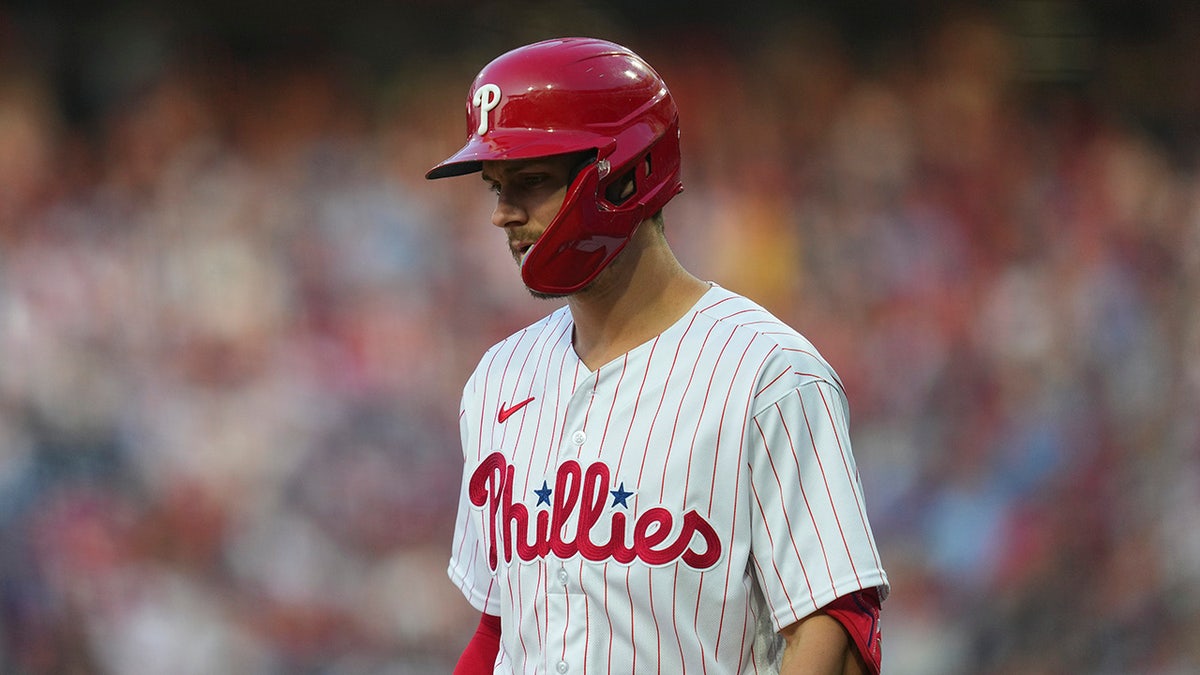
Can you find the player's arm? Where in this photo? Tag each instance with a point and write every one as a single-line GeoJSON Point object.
{"type": "Point", "coordinates": [842, 638]}
{"type": "Point", "coordinates": [817, 645]}
{"type": "Point", "coordinates": [807, 492]}
{"type": "Point", "coordinates": [480, 653]}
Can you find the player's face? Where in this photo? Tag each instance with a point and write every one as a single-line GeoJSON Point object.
{"type": "Point", "coordinates": [529, 194]}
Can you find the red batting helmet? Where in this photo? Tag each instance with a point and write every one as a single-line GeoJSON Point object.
{"type": "Point", "coordinates": [573, 95]}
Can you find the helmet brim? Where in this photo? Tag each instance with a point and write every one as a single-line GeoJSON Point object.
{"type": "Point", "coordinates": [515, 144]}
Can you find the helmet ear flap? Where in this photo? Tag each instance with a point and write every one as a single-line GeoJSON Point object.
{"type": "Point", "coordinates": [620, 190]}
{"type": "Point", "coordinates": [630, 183]}
{"type": "Point", "coordinates": [652, 180]}
{"type": "Point", "coordinates": [617, 191]}
{"type": "Point", "coordinates": [562, 262]}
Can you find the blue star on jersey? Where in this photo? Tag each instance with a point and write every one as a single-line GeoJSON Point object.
{"type": "Point", "coordinates": [620, 495]}
{"type": "Point", "coordinates": [543, 494]}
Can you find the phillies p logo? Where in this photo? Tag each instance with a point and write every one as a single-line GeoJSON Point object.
{"type": "Point", "coordinates": [487, 97]}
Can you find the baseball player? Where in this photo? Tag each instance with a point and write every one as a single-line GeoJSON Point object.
{"type": "Point", "coordinates": [658, 475]}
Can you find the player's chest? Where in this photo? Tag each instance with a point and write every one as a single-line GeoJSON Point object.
{"type": "Point", "coordinates": [642, 441]}
{"type": "Point", "coordinates": [631, 479]}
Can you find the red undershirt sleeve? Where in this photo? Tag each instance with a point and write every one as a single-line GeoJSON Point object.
{"type": "Point", "coordinates": [480, 653]}
{"type": "Point", "coordinates": [859, 615]}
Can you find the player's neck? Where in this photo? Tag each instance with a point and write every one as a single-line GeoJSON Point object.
{"type": "Point", "coordinates": [642, 293]}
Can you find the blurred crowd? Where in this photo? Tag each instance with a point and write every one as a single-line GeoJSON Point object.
{"type": "Point", "coordinates": [235, 322]}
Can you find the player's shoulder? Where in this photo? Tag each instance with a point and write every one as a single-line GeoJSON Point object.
{"type": "Point", "coordinates": [786, 358]}
{"type": "Point", "coordinates": [554, 322]}
{"type": "Point", "coordinates": [546, 334]}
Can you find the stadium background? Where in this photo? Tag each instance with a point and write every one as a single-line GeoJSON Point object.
{"type": "Point", "coordinates": [234, 319]}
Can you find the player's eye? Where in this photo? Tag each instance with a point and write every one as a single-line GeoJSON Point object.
{"type": "Point", "coordinates": [534, 180]}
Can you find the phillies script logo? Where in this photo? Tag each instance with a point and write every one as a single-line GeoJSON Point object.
{"type": "Point", "coordinates": [572, 523]}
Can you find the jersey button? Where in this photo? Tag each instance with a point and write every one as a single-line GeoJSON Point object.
{"type": "Point", "coordinates": [579, 438]}
{"type": "Point", "coordinates": [562, 576]}
{"type": "Point", "coordinates": [561, 667]}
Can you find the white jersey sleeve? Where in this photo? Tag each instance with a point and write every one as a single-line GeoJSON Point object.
{"type": "Point", "coordinates": [812, 541]}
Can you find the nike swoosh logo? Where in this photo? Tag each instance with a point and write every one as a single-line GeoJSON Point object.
{"type": "Point", "coordinates": [506, 412]}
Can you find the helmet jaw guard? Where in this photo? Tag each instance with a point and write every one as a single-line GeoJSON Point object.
{"type": "Point", "coordinates": [590, 230]}
{"type": "Point", "coordinates": [574, 95]}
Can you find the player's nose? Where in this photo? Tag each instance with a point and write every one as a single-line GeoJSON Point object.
{"type": "Point", "coordinates": [507, 213]}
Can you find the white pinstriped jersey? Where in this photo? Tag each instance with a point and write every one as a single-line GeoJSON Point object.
{"type": "Point", "coordinates": [659, 514]}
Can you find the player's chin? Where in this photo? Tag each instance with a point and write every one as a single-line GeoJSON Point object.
{"type": "Point", "coordinates": [587, 288]}
{"type": "Point", "coordinates": [545, 296]}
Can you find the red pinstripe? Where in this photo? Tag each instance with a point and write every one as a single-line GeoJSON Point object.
{"type": "Point", "coordinates": [632, 624]}
{"type": "Point", "coordinates": [740, 463]}
{"type": "Point", "coordinates": [687, 482]}
{"type": "Point", "coordinates": [616, 397]}
{"type": "Point", "coordinates": [654, 419]}
{"type": "Point", "coordinates": [558, 417]}
{"type": "Point", "coordinates": [662, 488]}
{"type": "Point", "coordinates": [675, 617]}
{"type": "Point", "coordinates": [608, 616]}
{"type": "Point", "coordinates": [637, 399]}
{"type": "Point", "coordinates": [786, 518]}
{"type": "Point", "coordinates": [708, 309]}
{"type": "Point", "coordinates": [587, 413]}
{"type": "Point", "coordinates": [805, 352]}
{"type": "Point", "coordinates": [587, 625]}
{"type": "Point", "coordinates": [774, 567]}
{"type": "Point", "coordinates": [768, 385]}
{"type": "Point", "coordinates": [828, 491]}
{"type": "Point", "coordinates": [657, 630]}
{"type": "Point", "coordinates": [513, 600]}
{"type": "Point", "coordinates": [462, 414]}
{"type": "Point", "coordinates": [482, 411]}
{"type": "Point", "coordinates": [804, 493]}
{"type": "Point", "coordinates": [558, 335]}
{"type": "Point", "coordinates": [852, 477]}
{"type": "Point", "coordinates": [566, 622]}
{"type": "Point", "coordinates": [544, 340]}
{"type": "Point", "coordinates": [712, 488]}
{"type": "Point", "coordinates": [688, 479]}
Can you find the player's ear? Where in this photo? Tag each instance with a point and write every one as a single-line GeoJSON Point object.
{"type": "Point", "coordinates": [621, 189]}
